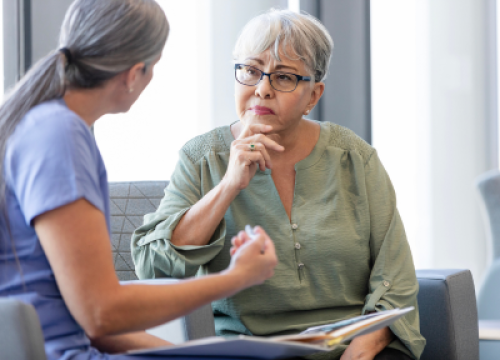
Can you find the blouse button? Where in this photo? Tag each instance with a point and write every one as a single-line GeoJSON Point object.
{"type": "Point", "coordinates": [295, 226]}
{"type": "Point", "coordinates": [297, 246]}
{"type": "Point", "coordinates": [386, 283]}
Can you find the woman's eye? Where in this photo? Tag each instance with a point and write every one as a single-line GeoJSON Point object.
{"type": "Point", "coordinates": [284, 77]}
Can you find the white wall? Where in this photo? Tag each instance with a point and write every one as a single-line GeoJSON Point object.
{"type": "Point", "coordinates": [47, 17]}
{"type": "Point", "coordinates": [431, 123]}
{"type": "Point", "coordinates": [191, 93]}
{"type": "Point", "coordinates": [227, 22]}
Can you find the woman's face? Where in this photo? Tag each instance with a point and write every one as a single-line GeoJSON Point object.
{"type": "Point", "coordinates": [263, 104]}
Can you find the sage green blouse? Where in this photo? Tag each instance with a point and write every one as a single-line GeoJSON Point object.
{"type": "Point", "coordinates": [343, 253]}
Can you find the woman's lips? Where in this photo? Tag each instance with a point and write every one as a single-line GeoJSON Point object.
{"type": "Point", "coordinates": [261, 110]}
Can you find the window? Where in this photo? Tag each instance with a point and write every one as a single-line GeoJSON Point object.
{"type": "Point", "coordinates": [143, 143]}
{"type": "Point", "coordinates": [398, 116]}
{"type": "Point", "coordinates": [190, 94]}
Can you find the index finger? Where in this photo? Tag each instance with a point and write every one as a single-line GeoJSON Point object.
{"type": "Point", "coordinates": [252, 129]}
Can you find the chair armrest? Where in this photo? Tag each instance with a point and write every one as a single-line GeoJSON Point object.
{"type": "Point", "coordinates": [22, 336]}
{"type": "Point", "coordinates": [448, 314]}
{"type": "Point", "coordinates": [196, 325]}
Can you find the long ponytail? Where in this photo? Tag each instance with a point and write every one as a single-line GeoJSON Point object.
{"type": "Point", "coordinates": [103, 39]}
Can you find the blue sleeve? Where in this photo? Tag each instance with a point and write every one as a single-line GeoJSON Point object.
{"type": "Point", "coordinates": [52, 163]}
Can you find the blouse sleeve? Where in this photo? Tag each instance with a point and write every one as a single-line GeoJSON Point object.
{"type": "Point", "coordinates": [53, 165]}
{"type": "Point", "coordinates": [393, 283]}
{"type": "Point", "coordinates": [153, 254]}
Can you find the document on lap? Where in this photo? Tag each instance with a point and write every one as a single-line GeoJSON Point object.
{"type": "Point", "coordinates": [322, 338]}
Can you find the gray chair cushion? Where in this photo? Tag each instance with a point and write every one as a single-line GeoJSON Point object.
{"type": "Point", "coordinates": [448, 315]}
{"type": "Point", "coordinates": [129, 202]}
{"type": "Point", "coordinates": [200, 323]}
{"type": "Point", "coordinates": [21, 335]}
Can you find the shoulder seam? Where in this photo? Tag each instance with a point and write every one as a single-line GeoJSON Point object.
{"type": "Point", "coordinates": [344, 138]}
{"type": "Point", "coordinates": [370, 156]}
{"type": "Point", "coordinates": [197, 147]}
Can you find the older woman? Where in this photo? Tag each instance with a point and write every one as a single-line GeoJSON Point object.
{"type": "Point", "coordinates": [318, 189]}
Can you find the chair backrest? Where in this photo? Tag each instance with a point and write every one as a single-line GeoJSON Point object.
{"type": "Point", "coordinates": [21, 334]}
{"type": "Point", "coordinates": [488, 185]}
{"type": "Point", "coordinates": [130, 201]}
{"type": "Point", "coordinates": [448, 315]}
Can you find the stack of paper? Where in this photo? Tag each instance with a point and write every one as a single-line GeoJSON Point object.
{"type": "Point", "coordinates": [317, 339]}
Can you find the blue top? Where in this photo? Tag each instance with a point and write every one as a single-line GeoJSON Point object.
{"type": "Point", "coordinates": [51, 160]}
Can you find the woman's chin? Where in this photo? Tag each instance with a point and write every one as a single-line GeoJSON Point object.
{"type": "Point", "coordinates": [261, 120]}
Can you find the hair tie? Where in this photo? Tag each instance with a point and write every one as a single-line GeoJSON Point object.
{"type": "Point", "coordinates": [67, 53]}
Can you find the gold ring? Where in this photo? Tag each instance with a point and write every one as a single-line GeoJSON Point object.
{"type": "Point", "coordinates": [252, 147]}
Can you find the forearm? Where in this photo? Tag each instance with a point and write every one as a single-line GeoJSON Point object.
{"type": "Point", "coordinates": [366, 347]}
{"type": "Point", "coordinates": [139, 307]}
{"type": "Point", "coordinates": [199, 223]}
{"type": "Point", "coordinates": [115, 344]}
{"type": "Point", "coordinates": [84, 272]}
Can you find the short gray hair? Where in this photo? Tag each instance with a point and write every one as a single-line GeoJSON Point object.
{"type": "Point", "coordinates": [302, 34]}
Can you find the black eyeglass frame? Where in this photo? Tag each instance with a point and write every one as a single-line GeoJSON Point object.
{"type": "Point", "coordinates": [299, 77]}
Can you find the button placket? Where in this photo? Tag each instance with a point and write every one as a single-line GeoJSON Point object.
{"type": "Point", "coordinates": [297, 246]}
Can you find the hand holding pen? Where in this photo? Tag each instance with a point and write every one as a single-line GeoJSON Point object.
{"type": "Point", "coordinates": [253, 254]}
{"type": "Point", "coordinates": [247, 235]}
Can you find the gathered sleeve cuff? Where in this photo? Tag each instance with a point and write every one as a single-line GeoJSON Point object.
{"type": "Point", "coordinates": [153, 254]}
{"type": "Point", "coordinates": [393, 282]}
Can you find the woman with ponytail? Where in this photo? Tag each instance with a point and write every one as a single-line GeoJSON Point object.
{"type": "Point", "coordinates": [55, 251]}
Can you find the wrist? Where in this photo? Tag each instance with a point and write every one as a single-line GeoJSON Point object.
{"type": "Point", "coordinates": [227, 188]}
{"type": "Point", "coordinates": [236, 280]}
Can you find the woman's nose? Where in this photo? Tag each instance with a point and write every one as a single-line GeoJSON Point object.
{"type": "Point", "coordinates": [264, 88]}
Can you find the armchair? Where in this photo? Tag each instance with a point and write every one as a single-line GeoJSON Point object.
{"type": "Point", "coordinates": [448, 313]}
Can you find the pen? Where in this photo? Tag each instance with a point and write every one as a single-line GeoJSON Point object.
{"type": "Point", "coordinates": [252, 235]}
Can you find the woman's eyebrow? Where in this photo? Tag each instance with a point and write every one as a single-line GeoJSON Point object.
{"type": "Point", "coordinates": [279, 67]}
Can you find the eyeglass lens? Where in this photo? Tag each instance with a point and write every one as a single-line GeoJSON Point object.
{"type": "Point", "coordinates": [248, 75]}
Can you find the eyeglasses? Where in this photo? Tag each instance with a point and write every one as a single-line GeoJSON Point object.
{"type": "Point", "coordinates": [280, 81]}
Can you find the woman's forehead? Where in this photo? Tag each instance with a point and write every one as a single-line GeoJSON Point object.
{"type": "Point", "coordinates": [284, 60]}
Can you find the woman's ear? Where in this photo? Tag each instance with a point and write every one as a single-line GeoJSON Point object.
{"type": "Point", "coordinates": [316, 93]}
{"type": "Point", "coordinates": [133, 75]}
